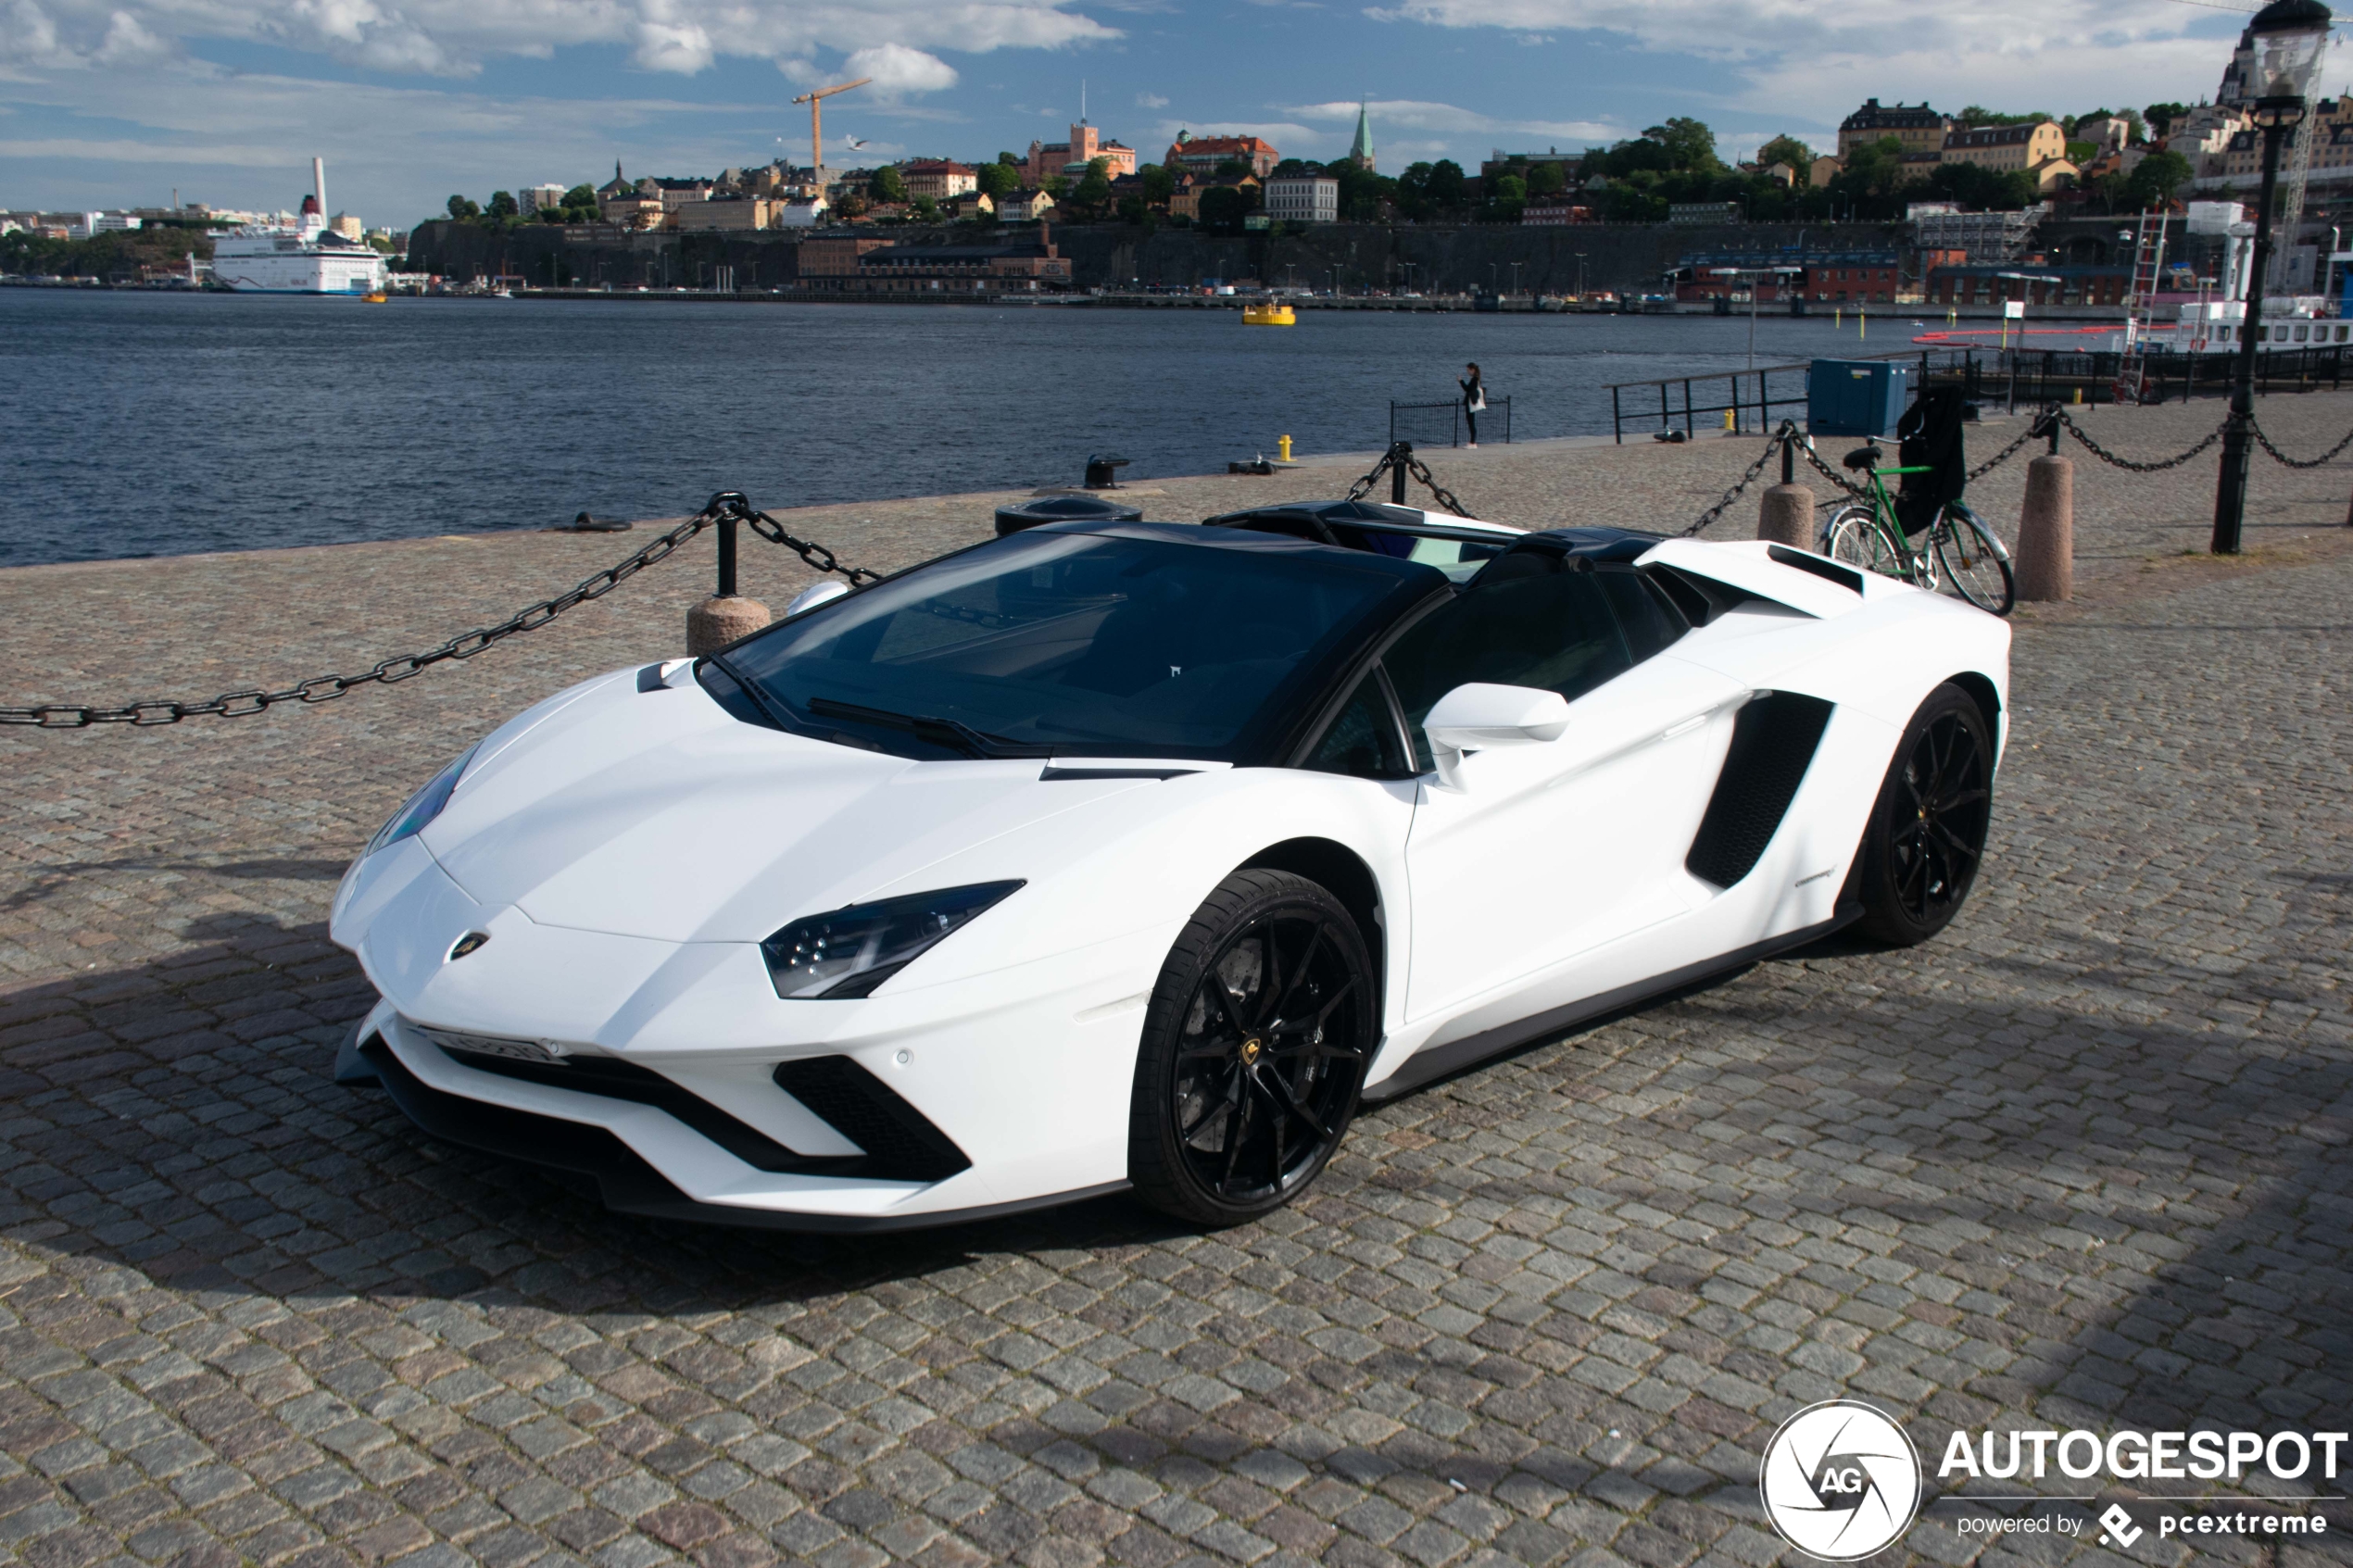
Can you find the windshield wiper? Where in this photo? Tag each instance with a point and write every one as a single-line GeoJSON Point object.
{"type": "Point", "coordinates": [953, 733]}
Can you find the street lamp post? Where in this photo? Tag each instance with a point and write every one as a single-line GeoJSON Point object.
{"type": "Point", "coordinates": [1755, 277]}
{"type": "Point", "coordinates": [2290, 36]}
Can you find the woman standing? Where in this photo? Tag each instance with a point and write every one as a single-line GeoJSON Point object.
{"type": "Point", "coordinates": [1474, 401]}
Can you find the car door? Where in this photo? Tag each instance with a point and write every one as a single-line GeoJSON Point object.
{"type": "Point", "coordinates": [1550, 848]}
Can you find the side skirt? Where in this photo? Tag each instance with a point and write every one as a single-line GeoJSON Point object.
{"type": "Point", "coordinates": [1425, 1067]}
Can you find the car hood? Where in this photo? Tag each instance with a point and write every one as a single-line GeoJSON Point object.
{"type": "Point", "coordinates": [654, 813]}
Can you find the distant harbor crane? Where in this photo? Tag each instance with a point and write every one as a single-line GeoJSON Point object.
{"type": "Point", "coordinates": [817, 122]}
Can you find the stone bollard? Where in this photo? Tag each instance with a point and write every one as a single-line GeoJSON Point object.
{"type": "Point", "coordinates": [1787, 517]}
{"type": "Point", "coordinates": [2046, 564]}
{"type": "Point", "coordinates": [717, 621]}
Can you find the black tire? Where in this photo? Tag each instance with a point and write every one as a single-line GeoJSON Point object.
{"type": "Point", "coordinates": [1254, 1046]}
{"type": "Point", "coordinates": [1970, 558]}
{"type": "Point", "coordinates": [1926, 831]}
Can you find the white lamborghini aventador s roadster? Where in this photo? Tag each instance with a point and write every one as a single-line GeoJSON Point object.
{"type": "Point", "coordinates": [1138, 855]}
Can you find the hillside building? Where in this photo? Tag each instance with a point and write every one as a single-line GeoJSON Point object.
{"type": "Point", "coordinates": [1202, 155]}
{"type": "Point", "coordinates": [1919, 127]}
{"type": "Point", "coordinates": [1070, 158]}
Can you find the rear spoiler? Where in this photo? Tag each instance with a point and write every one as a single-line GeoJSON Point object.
{"type": "Point", "coordinates": [1812, 584]}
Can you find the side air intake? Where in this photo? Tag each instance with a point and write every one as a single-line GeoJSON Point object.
{"type": "Point", "coordinates": [900, 1142]}
{"type": "Point", "coordinates": [1774, 739]}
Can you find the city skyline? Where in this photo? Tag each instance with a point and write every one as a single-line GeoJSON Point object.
{"type": "Point", "coordinates": [116, 105]}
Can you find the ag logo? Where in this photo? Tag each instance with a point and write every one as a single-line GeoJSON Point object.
{"type": "Point", "coordinates": [1839, 1480]}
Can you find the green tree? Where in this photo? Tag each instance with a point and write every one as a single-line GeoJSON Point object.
{"type": "Point", "coordinates": [1223, 207]}
{"type": "Point", "coordinates": [1447, 187]}
{"type": "Point", "coordinates": [1132, 210]}
{"type": "Point", "coordinates": [1056, 186]}
{"type": "Point", "coordinates": [2154, 181]}
{"type": "Point", "coordinates": [999, 179]}
{"type": "Point", "coordinates": [1790, 153]}
{"type": "Point", "coordinates": [1689, 144]}
{"type": "Point", "coordinates": [887, 185]}
{"type": "Point", "coordinates": [1093, 191]}
{"type": "Point", "coordinates": [1506, 195]}
{"type": "Point", "coordinates": [462, 209]}
{"type": "Point", "coordinates": [1546, 180]}
{"type": "Point", "coordinates": [1230, 169]}
{"type": "Point", "coordinates": [2159, 118]}
{"type": "Point", "coordinates": [1159, 184]}
{"type": "Point", "coordinates": [1978, 115]}
{"type": "Point", "coordinates": [503, 207]}
{"type": "Point", "coordinates": [1362, 193]}
{"type": "Point", "coordinates": [926, 208]}
{"type": "Point", "coordinates": [1292, 166]}
{"type": "Point", "coordinates": [1009, 160]}
{"type": "Point", "coordinates": [1412, 192]}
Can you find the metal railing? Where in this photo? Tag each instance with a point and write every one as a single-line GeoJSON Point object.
{"type": "Point", "coordinates": [1441, 424]}
{"type": "Point", "coordinates": [2029, 376]}
{"type": "Point", "coordinates": [1688, 400]}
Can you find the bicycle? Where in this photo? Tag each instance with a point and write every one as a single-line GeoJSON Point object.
{"type": "Point", "coordinates": [1958, 548]}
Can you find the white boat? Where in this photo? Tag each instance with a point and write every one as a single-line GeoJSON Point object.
{"type": "Point", "coordinates": [309, 257]}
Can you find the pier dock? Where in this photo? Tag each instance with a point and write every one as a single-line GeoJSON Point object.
{"type": "Point", "coordinates": [1548, 1309]}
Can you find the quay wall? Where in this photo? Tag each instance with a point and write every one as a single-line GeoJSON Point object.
{"type": "Point", "coordinates": [1623, 257]}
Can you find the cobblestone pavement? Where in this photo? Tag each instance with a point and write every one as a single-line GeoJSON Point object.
{"type": "Point", "coordinates": [2079, 1161]}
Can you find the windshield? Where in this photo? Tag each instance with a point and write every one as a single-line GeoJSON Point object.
{"type": "Point", "coordinates": [1106, 643]}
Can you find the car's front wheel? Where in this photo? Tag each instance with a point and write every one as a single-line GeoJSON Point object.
{"type": "Point", "coordinates": [1254, 1046]}
{"type": "Point", "coordinates": [1927, 829]}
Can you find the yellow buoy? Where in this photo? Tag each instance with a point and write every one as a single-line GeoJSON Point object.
{"type": "Point", "coordinates": [1268, 316]}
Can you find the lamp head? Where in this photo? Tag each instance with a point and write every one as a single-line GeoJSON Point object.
{"type": "Point", "coordinates": [2290, 37]}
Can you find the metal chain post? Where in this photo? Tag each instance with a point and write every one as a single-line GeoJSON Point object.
{"type": "Point", "coordinates": [1398, 462]}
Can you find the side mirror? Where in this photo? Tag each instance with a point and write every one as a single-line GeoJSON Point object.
{"type": "Point", "coordinates": [811, 596]}
{"type": "Point", "coordinates": [1478, 715]}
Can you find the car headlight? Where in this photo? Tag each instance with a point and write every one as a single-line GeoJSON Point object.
{"type": "Point", "coordinates": [424, 806]}
{"type": "Point", "coordinates": [848, 951]}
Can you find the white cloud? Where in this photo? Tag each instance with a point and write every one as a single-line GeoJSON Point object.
{"type": "Point", "coordinates": [1813, 63]}
{"type": "Point", "coordinates": [1390, 115]}
{"type": "Point", "coordinates": [454, 37]}
{"type": "Point", "coordinates": [898, 70]}
{"type": "Point", "coordinates": [1151, 101]}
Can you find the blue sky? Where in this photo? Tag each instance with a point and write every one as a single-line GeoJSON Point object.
{"type": "Point", "coordinates": [107, 103]}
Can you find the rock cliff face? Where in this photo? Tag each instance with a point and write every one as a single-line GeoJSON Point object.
{"type": "Point", "coordinates": [1621, 257]}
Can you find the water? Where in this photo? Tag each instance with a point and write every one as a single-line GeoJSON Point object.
{"type": "Point", "coordinates": [162, 423]}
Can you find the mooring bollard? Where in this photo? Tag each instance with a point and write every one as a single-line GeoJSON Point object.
{"type": "Point", "coordinates": [2046, 564]}
{"type": "Point", "coordinates": [726, 615]}
{"type": "Point", "coordinates": [1787, 515]}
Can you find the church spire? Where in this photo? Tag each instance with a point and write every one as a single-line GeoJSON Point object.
{"type": "Point", "coordinates": [1360, 150]}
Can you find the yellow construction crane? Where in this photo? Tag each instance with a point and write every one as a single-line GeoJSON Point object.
{"type": "Point", "coordinates": [817, 122]}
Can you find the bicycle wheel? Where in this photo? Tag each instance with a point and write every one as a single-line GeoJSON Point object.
{"type": "Point", "coordinates": [1973, 560]}
{"type": "Point", "coordinates": [1852, 535]}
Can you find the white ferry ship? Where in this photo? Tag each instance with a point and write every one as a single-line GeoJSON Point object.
{"type": "Point", "coordinates": [308, 258]}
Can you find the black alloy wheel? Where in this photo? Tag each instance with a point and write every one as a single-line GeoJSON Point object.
{"type": "Point", "coordinates": [1927, 833]}
{"type": "Point", "coordinates": [1254, 1046]}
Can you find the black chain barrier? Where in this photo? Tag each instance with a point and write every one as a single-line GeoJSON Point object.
{"type": "Point", "coordinates": [1413, 466]}
{"type": "Point", "coordinates": [1859, 491]}
{"type": "Point", "coordinates": [1788, 432]}
{"type": "Point", "coordinates": [2033, 428]}
{"type": "Point", "coordinates": [326, 688]}
{"type": "Point", "coordinates": [2104, 455]}
{"type": "Point", "coordinates": [2265, 442]}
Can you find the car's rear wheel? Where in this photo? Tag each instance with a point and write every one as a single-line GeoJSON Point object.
{"type": "Point", "coordinates": [1927, 832]}
{"type": "Point", "coordinates": [1254, 1046]}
